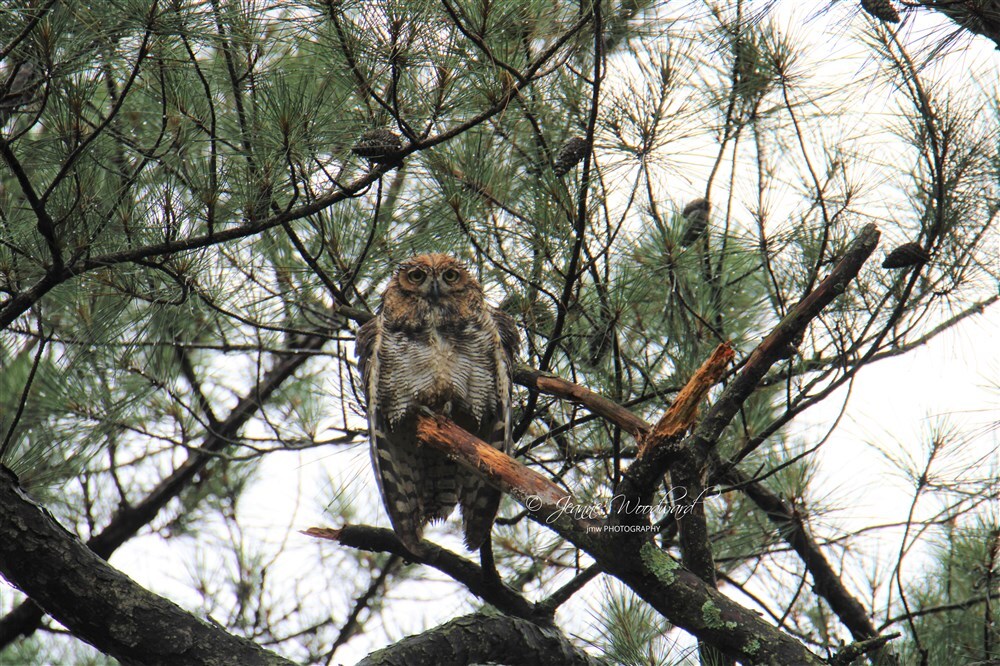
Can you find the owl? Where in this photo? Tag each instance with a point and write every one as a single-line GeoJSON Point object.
{"type": "Point", "coordinates": [435, 345]}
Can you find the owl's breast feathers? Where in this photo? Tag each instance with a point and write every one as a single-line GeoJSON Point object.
{"type": "Point", "coordinates": [446, 364]}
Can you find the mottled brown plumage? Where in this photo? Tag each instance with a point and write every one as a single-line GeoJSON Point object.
{"type": "Point", "coordinates": [436, 345]}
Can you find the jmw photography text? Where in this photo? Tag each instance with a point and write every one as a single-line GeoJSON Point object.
{"type": "Point", "coordinates": [675, 502]}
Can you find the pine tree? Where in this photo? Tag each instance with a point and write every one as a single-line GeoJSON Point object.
{"type": "Point", "coordinates": [201, 202]}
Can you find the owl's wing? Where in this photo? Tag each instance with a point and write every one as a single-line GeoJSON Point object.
{"type": "Point", "coordinates": [364, 343]}
{"type": "Point", "coordinates": [481, 501]}
{"type": "Point", "coordinates": [394, 454]}
{"type": "Point", "coordinates": [510, 339]}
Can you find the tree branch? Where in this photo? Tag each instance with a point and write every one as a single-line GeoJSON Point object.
{"type": "Point", "coordinates": [783, 338]}
{"type": "Point", "coordinates": [679, 595]}
{"type": "Point", "coordinates": [981, 18]}
{"type": "Point", "coordinates": [128, 520]}
{"type": "Point", "coordinates": [380, 540]}
{"type": "Point", "coordinates": [481, 638]}
{"type": "Point", "coordinates": [598, 404]}
{"type": "Point", "coordinates": [101, 605]}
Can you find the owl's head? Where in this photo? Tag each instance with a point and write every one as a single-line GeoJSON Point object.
{"type": "Point", "coordinates": [435, 277]}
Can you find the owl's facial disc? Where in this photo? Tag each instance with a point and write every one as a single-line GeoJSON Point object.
{"type": "Point", "coordinates": [434, 289]}
{"type": "Point", "coordinates": [433, 277]}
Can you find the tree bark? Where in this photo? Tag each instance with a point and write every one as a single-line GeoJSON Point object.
{"type": "Point", "coordinates": [101, 605]}
{"type": "Point", "coordinates": [679, 595]}
{"type": "Point", "coordinates": [481, 638]}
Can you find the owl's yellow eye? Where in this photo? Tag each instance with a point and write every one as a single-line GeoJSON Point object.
{"type": "Point", "coordinates": [416, 275]}
{"type": "Point", "coordinates": [451, 276]}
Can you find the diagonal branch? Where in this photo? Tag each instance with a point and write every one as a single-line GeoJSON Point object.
{"type": "Point", "coordinates": [381, 540]}
{"type": "Point", "coordinates": [678, 594]}
{"type": "Point", "coordinates": [128, 520]}
{"type": "Point", "coordinates": [773, 348]}
{"type": "Point", "coordinates": [46, 225]}
{"type": "Point", "coordinates": [100, 604]}
{"type": "Point", "coordinates": [784, 338]}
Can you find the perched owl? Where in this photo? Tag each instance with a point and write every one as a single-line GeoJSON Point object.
{"type": "Point", "coordinates": [435, 345]}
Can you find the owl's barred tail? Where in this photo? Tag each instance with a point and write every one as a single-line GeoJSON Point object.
{"type": "Point", "coordinates": [480, 503]}
{"type": "Point", "coordinates": [396, 467]}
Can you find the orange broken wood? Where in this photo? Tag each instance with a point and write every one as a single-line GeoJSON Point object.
{"type": "Point", "coordinates": [684, 409]}
{"type": "Point", "coordinates": [498, 468]}
{"type": "Point", "coordinates": [330, 533]}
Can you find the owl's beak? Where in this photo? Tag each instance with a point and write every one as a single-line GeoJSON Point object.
{"type": "Point", "coordinates": [435, 292]}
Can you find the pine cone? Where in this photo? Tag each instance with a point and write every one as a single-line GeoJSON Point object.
{"type": "Point", "coordinates": [881, 9]}
{"type": "Point", "coordinates": [378, 145]}
{"type": "Point", "coordinates": [696, 214]}
{"type": "Point", "coordinates": [570, 155]}
{"type": "Point", "coordinates": [909, 254]}
{"type": "Point", "coordinates": [20, 85]}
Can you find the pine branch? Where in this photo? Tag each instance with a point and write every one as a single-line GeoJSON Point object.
{"type": "Point", "coordinates": [376, 590]}
{"type": "Point", "coordinates": [20, 303]}
{"type": "Point", "coordinates": [981, 18]}
{"type": "Point", "coordinates": [781, 340]}
{"type": "Point", "coordinates": [98, 603]}
{"type": "Point", "coordinates": [44, 222]}
{"type": "Point", "coordinates": [850, 653]}
{"type": "Point", "coordinates": [128, 520]}
{"type": "Point", "coordinates": [791, 526]}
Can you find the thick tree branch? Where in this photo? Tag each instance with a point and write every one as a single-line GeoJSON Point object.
{"type": "Point", "coordinates": [128, 520]}
{"type": "Point", "coordinates": [101, 605]}
{"type": "Point", "coordinates": [526, 485]}
{"type": "Point", "coordinates": [482, 638]}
